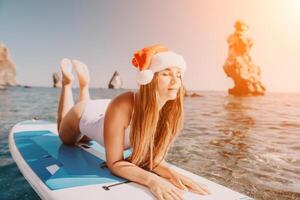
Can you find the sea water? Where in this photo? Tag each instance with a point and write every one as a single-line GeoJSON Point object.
{"type": "Point", "coordinates": [248, 144]}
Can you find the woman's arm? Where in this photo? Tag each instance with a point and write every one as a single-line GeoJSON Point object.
{"type": "Point", "coordinates": [164, 170]}
{"type": "Point", "coordinates": [132, 172]}
{"type": "Point", "coordinates": [116, 118]}
{"type": "Point", "coordinates": [115, 122]}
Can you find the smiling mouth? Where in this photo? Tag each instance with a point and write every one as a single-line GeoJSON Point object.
{"type": "Point", "coordinates": [172, 89]}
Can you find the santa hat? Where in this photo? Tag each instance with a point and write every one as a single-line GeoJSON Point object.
{"type": "Point", "coordinates": [153, 59]}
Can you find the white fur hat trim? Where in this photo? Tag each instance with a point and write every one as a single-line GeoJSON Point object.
{"type": "Point", "coordinates": [160, 61]}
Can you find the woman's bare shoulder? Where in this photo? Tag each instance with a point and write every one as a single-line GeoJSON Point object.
{"type": "Point", "coordinates": [121, 107]}
{"type": "Point", "coordinates": [123, 100]}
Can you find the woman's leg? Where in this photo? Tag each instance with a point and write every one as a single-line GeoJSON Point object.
{"type": "Point", "coordinates": [69, 130]}
{"type": "Point", "coordinates": [66, 101]}
{"type": "Point", "coordinates": [83, 79]}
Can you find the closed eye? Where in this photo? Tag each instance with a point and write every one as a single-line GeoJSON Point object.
{"type": "Point", "coordinates": [178, 75]}
{"type": "Point", "coordinates": [167, 74]}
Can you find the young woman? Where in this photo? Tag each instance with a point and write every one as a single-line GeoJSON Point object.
{"type": "Point", "coordinates": [148, 121]}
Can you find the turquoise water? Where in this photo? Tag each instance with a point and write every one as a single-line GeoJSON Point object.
{"type": "Point", "coordinates": [250, 144]}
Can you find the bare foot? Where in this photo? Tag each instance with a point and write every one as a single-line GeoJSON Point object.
{"type": "Point", "coordinates": [66, 70]}
{"type": "Point", "coordinates": [82, 73]}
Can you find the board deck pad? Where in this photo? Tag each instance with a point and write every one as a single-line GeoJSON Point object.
{"type": "Point", "coordinates": [54, 162]}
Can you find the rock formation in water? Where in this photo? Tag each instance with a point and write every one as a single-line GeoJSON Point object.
{"type": "Point", "coordinates": [193, 94]}
{"type": "Point", "coordinates": [2, 87]}
{"type": "Point", "coordinates": [115, 82]}
{"type": "Point", "coordinates": [239, 66]}
{"type": "Point", "coordinates": [7, 68]}
{"type": "Point", "coordinates": [55, 78]}
{"type": "Point", "coordinates": [185, 92]}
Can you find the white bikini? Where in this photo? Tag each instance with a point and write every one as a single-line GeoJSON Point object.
{"type": "Point", "coordinates": [92, 120]}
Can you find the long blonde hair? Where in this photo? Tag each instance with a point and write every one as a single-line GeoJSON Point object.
{"type": "Point", "coordinates": [153, 130]}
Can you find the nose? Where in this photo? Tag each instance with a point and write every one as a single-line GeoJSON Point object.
{"type": "Point", "coordinates": [173, 79]}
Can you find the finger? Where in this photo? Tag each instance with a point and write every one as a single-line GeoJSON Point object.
{"type": "Point", "coordinates": [179, 191]}
{"type": "Point", "coordinates": [167, 196]}
{"type": "Point", "coordinates": [178, 184]}
{"type": "Point", "coordinates": [160, 196]}
{"type": "Point", "coordinates": [182, 185]}
{"type": "Point", "coordinates": [205, 189]}
{"type": "Point", "coordinates": [174, 196]}
{"type": "Point", "coordinates": [194, 187]}
{"type": "Point", "coordinates": [179, 194]}
{"type": "Point", "coordinates": [202, 189]}
{"type": "Point", "coordinates": [198, 191]}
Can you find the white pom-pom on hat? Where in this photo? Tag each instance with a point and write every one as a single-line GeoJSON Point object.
{"type": "Point", "coordinates": [144, 77]}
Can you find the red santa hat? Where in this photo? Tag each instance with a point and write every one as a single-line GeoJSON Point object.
{"type": "Point", "coordinates": [153, 59]}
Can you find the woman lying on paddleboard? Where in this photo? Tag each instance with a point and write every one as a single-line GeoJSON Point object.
{"type": "Point", "coordinates": [147, 121]}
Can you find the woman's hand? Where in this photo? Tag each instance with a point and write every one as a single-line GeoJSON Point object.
{"type": "Point", "coordinates": [164, 190]}
{"type": "Point", "coordinates": [179, 180]}
{"type": "Point", "coordinates": [185, 183]}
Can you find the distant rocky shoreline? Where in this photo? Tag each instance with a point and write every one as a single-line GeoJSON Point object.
{"type": "Point", "coordinates": [7, 69]}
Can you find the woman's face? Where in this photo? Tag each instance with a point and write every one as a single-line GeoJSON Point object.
{"type": "Point", "coordinates": [169, 82]}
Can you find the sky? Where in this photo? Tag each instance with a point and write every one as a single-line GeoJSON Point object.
{"type": "Point", "coordinates": [104, 34]}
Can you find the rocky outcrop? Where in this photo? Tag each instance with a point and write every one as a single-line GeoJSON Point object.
{"type": "Point", "coordinates": [191, 94]}
{"type": "Point", "coordinates": [116, 81]}
{"type": "Point", "coordinates": [56, 80]}
{"type": "Point", "coordinates": [7, 69]}
{"type": "Point", "coordinates": [2, 87]}
{"type": "Point", "coordinates": [239, 66]}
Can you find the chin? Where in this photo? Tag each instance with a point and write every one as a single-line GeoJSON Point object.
{"type": "Point", "coordinates": [172, 96]}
